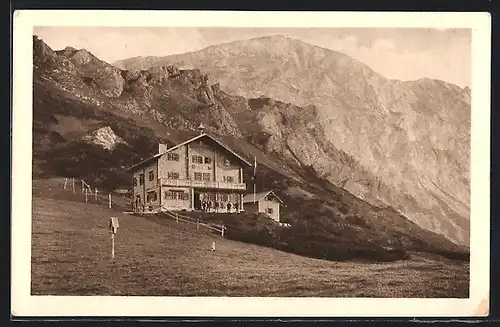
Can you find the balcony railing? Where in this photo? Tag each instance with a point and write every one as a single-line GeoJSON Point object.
{"type": "Point", "coordinates": [202, 184]}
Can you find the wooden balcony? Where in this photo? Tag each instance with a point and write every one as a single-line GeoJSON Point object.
{"type": "Point", "coordinates": [202, 184]}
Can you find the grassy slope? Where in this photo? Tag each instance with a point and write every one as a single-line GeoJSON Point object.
{"type": "Point", "coordinates": [71, 256]}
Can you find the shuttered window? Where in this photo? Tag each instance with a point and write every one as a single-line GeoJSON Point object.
{"type": "Point", "coordinates": [197, 159]}
{"type": "Point", "coordinates": [176, 195]}
{"type": "Point", "coordinates": [172, 156]}
{"type": "Point", "coordinates": [172, 175]}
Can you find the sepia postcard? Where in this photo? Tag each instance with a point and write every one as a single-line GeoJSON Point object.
{"type": "Point", "coordinates": [250, 164]}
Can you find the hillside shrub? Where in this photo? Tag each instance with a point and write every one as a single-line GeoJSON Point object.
{"type": "Point", "coordinates": [304, 238]}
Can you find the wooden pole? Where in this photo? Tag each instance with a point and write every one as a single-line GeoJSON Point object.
{"type": "Point", "coordinates": [95, 193]}
{"type": "Point", "coordinates": [254, 177]}
{"type": "Point", "coordinates": [65, 182]}
{"type": "Point", "coordinates": [197, 223]}
{"type": "Point", "coordinates": [222, 229]}
{"type": "Point", "coordinates": [86, 198]}
{"type": "Point", "coordinates": [74, 185]}
{"type": "Point", "coordinates": [112, 246]}
{"type": "Point", "coordinates": [109, 197]}
{"type": "Point", "coordinates": [82, 186]}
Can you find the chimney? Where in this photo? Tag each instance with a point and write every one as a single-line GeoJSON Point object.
{"type": "Point", "coordinates": [201, 128]}
{"type": "Point", "coordinates": [162, 148]}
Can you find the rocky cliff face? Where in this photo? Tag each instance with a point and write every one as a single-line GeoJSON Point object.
{"type": "Point", "coordinates": [403, 144]}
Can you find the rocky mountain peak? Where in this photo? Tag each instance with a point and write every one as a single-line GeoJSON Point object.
{"type": "Point", "coordinates": [400, 143]}
{"type": "Point", "coordinates": [391, 143]}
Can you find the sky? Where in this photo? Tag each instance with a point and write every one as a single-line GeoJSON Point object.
{"type": "Point", "coordinates": [396, 53]}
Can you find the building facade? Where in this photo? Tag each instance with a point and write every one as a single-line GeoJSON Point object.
{"type": "Point", "coordinates": [265, 202]}
{"type": "Point", "coordinates": [199, 174]}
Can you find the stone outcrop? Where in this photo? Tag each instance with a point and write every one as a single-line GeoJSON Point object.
{"type": "Point", "coordinates": [104, 137]}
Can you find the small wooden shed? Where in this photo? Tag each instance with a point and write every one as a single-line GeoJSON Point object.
{"type": "Point", "coordinates": [264, 202]}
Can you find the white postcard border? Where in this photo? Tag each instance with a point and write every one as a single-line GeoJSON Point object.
{"type": "Point", "coordinates": [23, 304]}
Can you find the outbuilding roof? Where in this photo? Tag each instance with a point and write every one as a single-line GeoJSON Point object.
{"type": "Point", "coordinates": [248, 198]}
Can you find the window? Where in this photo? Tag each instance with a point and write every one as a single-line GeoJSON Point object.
{"type": "Point", "coordinates": [135, 181]}
{"type": "Point", "coordinates": [197, 159]}
{"type": "Point", "coordinates": [172, 156]}
{"type": "Point", "coordinates": [269, 211]}
{"type": "Point", "coordinates": [208, 160]}
{"type": "Point", "coordinates": [197, 176]}
{"type": "Point", "coordinates": [141, 179]}
{"type": "Point", "coordinates": [151, 175]}
{"type": "Point", "coordinates": [151, 196]}
{"type": "Point", "coordinates": [269, 198]}
{"type": "Point", "coordinates": [228, 179]}
{"type": "Point", "coordinates": [172, 175]}
{"type": "Point", "coordinates": [176, 195]}
{"type": "Point", "coordinates": [207, 196]}
{"type": "Point", "coordinates": [206, 176]}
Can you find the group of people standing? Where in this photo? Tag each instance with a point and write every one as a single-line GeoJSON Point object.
{"type": "Point", "coordinates": [208, 206]}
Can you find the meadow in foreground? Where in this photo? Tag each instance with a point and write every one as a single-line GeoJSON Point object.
{"type": "Point", "coordinates": [159, 257]}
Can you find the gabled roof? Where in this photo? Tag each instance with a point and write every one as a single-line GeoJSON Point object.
{"type": "Point", "coordinates": [156, 156]}
{"type": "Point", "coordinates": [259, 196]}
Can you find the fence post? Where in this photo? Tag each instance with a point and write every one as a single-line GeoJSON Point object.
{"type": "Point", "coordinates": [197, 223]}
{"type": "Point", "coordinates": [83, 186]}
{"type": "Point", "coordinates": [95, 193]}
{"type": "Point", "coordinates": [112, 246]}
{"type": "Point", "coordinates": [65, 182]}
{"type": "Point", "coordinates": [222, 230]}
{"type": "Point", "coordinates": [109, 196]}
{"type": "Point", "coordinates": [177, 217]}
{"type": "Point", "coordinates": [74, 185]}
{"type": "Point", "coordinates": [86, 199]}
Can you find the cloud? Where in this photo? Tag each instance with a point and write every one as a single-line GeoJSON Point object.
{"type": "Point", "coordinates": [383, 45]}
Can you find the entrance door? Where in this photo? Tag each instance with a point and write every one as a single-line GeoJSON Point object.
{"type": "Point", "coordinates": [197, 202]}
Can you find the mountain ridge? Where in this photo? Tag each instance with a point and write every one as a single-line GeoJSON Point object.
{"type": "Point", "coordinates": [427, 121]}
